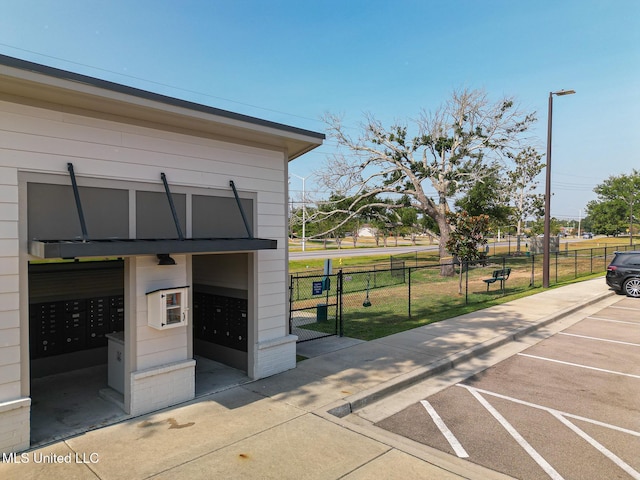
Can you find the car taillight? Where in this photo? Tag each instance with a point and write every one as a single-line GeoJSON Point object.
{"type": "Point", "coordinates": [612, 268]}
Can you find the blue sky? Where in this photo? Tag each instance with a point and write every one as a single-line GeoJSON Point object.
{"type": "Point", "coordinates": [291, 61]}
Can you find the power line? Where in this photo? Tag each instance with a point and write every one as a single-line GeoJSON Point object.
{"type": "Point", "coordinates": [160, 83]}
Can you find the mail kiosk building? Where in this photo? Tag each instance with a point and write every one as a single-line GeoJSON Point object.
{"type": "Point", "coordinates": [139, 231]}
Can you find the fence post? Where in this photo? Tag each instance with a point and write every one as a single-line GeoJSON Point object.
{"type": "Point", "coordinates": [556, 267]}
{"type": "Point", "coordinates": [591, 261]}
{"type": "Point", "coordinates": [409, 295]}
{"type": "Point", "coordinates": [533, 271]}
{"type": "Point", "coordinates": [340, 319]}
{"type": "Point", "coordinates": [605, 257]}
{"type": "Point", "coordinates": [576, 263]}
{"type": "Point", "coordinates": [466, 285]}
{"type": "Point", "coordinates": [290, 303]}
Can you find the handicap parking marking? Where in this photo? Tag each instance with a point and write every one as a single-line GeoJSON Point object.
{"type": "Point", "coordinates": [560, 416]}
{"type": "Point", "coordinates": [451, 438]}
{"type": "Point", "coordinates": [578, 365]}
{"type": "Point", "coordinates": [598, 446]}
{"type": "Point", "coordinates": [552, 411]}
{"type": "Point", "coordinates": [526, 446]}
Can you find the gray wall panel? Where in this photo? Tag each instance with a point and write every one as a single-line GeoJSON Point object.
{"type": "Point", "coordinates": [220, 217]}
{"type": "Point", "coordinates": [53, 215]}
{"type": "Point", "coordinates": [154, 218]}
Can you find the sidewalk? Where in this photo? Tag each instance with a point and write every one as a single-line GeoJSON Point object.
{"type": "Point", "coordinates": [299, 424]}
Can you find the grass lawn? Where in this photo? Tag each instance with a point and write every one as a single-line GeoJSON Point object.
{"type": "Point", "coordinates": [433, 297]}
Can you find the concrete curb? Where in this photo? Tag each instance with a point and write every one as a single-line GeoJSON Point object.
{"type": "Point", "coordinates": [352, 403]}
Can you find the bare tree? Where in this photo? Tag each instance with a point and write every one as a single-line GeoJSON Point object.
{"type": "Point", "coordinates": [448, 151]}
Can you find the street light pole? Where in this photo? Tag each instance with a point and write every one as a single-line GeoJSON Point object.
{"type": "Point", "coordinates": [547, 193]}
{"type": "Point", "coordinates": [579, 221]}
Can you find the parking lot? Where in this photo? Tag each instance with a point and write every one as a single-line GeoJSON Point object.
{"type": "Point", "coordinates": [567, 407]}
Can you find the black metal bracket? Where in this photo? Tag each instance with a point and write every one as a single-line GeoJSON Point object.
{"type": "Point", "coordinates": [244, 217]}
{"type": "Point", "coordinates": [171, 204]}
{"type": "Point", "coordinates": [76, 194]}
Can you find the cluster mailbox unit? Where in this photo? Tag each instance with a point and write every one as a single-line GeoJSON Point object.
{"type": "Point", "coordinates": [138, 233]}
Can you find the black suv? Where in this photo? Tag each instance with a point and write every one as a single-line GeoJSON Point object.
{"type": "Point", "coordinates": [623, 273]}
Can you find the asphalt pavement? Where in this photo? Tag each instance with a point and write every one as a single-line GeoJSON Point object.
{"type": "Point", "coordinates": [303, 423]}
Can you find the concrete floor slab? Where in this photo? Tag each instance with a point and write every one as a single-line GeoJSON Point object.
{"type": "Point", "coordinates": [306, 447]}
{"type": "Point", "coordinates": [396, 464]}
{"type": "Point", "coordinates": [325, 345]}
{"type": "Point", "coordinates": [384, 361]}
{"type": "Point", "coordinates": [69, 403]}
{"type": "Point", "coordinates": [39, 463]}
{"type": "Point", "coordinates": [178, 435]}
{"type": "Point", "coordinates": [301, 389]}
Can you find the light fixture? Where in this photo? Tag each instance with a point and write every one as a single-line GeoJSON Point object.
{"type": "Point", "coordinates": [564, 92]}
{"type": "Point", "coordinates": [165, 259]}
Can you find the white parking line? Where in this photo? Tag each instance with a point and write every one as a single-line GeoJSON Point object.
{"type": "Point", "coordinates": [600, 339]}
{"type": "Point", "coordinates": [598, 446]}
{"type": "Point", "coordinates": [612, 321]}
{"type": "Point", "coordinates": [451, 438]}
{"type": "Point", "coordinates": [517, 437]}
{"type": "Point", "coordinates": [553, 411]}
{"type": "Point", "coordinates": [625, 308]}
{"type": "Point", "coordinates": [579, 366]}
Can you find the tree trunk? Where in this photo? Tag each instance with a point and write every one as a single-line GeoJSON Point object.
{"type": "Point", "coordinates": [446, 260]}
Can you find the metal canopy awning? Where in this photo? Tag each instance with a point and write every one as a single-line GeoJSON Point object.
{"type": "Point", "coordinates": [111, 248]}
{"type": "Point", "coordinates": [86, 247]}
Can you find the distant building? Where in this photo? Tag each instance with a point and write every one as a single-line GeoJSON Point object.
{"type": "Point", "coordinates": [367, 231]}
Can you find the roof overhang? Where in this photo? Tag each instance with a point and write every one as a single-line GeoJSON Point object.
{"type": "Point", "coordinates": [33, 83]}
{"type": "Point", "coordinates": [49, 249]}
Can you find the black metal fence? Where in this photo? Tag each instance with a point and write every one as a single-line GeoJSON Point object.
{"type": "Point", "coordinates": [315, 306]}
{"type": "Point", "coordinates": [359, 302]}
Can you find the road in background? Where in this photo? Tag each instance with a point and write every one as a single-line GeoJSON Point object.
{"type": "Point", "coordinates": [359, 252]}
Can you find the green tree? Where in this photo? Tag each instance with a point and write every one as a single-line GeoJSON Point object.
{"type": "Point", "coordinates": [527, 166]}
{"type": "Point", "coordinates": [488, 196]}
{"type": "Point", "coordinates": [448, 151]}
{"type": "Point", "coordinates": [537, 226]}
{"type": "Point", "coordinates": [613, 211]}
{"type": "Point", "coordinates": [467, 236]}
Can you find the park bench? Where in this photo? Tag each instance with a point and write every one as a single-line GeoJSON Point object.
{"type": "Point", "coordinates": [501, 276]}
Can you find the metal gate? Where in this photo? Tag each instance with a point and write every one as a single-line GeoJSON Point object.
{"type": "Point", "coordinates": [315, 306]}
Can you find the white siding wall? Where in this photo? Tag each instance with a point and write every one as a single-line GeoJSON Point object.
{"type": "Point", "coordinates": [158, 347]}
{"type": "Point", "coordinates": [14, 409]}
{"type": "Point", "coordinates": [43, 141]}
